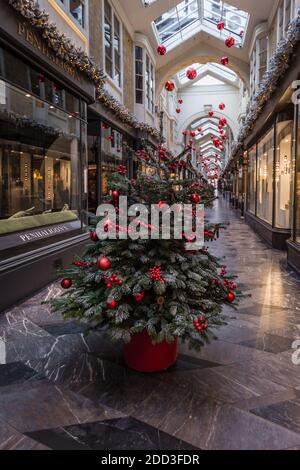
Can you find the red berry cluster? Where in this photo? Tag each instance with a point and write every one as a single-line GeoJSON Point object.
{"type": "Point", "coordinates": [156, 274]}
{"type": "Point", "coordinates": [122, 170]}
{"type": "Point", "coordinates": [201, 324]}
{"type": "Point", "coordinates": [223, 271]}
{"type": "Point", "coordinates": [112, 280]}
{"type": "Point", "coordinates": [142, 154]}
{"type": "Point", "coordinates": [216, 282]}
{"type": "Point", "coordinates": [83, 264]}
{"type": "Point", "coordinates": [229, 284]}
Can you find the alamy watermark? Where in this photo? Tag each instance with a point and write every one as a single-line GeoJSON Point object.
{"type": "Point", "coordinates": [160, 222]}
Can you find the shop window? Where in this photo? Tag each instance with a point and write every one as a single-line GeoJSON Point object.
{"type": "Point", "coordinates": [111, 153]}
{"type": "Point", "coordinates": [40, 155]}
{"type": "Point", "coordinates": [112, 39]}
{"type": "Point", "coordinates": [283, 174]}
{"type": "Point", "coordinates": [297, 183]}
{"type": "Point", "coordinates": [251, 180]}
{"type": "Point", "coordinates": [265, 165]}
{"type": "Point", "coordinates": [139, 75]}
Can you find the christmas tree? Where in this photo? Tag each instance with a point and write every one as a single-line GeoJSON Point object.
{"type": "Point", "coordinates": [128, 284]}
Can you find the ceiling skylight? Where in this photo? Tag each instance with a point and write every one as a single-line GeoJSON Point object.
{"type": "Point", "coordinates": [190, 16]}
{"type": "Point", "coordinates": [217, 71]}
{"type": "Point", "coordinates": [208, 80]}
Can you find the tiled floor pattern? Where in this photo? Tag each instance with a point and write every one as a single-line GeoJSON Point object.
{"type": "Point", "coordinates": [61, 389]}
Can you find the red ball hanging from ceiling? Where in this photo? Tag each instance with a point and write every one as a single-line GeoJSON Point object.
{"type": "Point", "coordinates": [169, 86]}
{"type": "Point", "coordinates": [178, 110]}
{"type": "Point", "coordinates": [180, 101]}
{"type": "Point", "coordinates": [230, 42]}
{"type": "Point", "coordinates": [191, 73]}
{"type": "Point", "coordinates": [192, 133]}
{"type": "Point", "coordinates": [222, 106]}
{"type": "Point", "coordinates": [211, 113]}
{"type": "Point", "coordinates": [220, 25]}
{"type": "Point", "coordinates": [224, 60]}
{"type": "Point", "coordinates": [161, 50]}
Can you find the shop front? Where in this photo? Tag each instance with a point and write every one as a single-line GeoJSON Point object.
{"type": "Point", "coordinates": [43, 160]}
{"type": "Point", "coordinates": [269, 181]}
{"type": "Point", "coordinates": [294, 243]}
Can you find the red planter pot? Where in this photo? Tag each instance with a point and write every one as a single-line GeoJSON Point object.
{"type": "Point", "coordinates": [144, 356]}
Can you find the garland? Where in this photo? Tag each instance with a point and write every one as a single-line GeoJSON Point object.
{"type": "Point", "coordinates": [278, 64]}
{"type": "Point", "coordinates": [76, 57]}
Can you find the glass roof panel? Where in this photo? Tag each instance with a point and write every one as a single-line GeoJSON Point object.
{"type": "Point", "coordinates": [210, 69]}
{"type": "Point", "coordinates": [190, 16]}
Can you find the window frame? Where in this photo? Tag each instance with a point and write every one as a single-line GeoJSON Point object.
{"type": "Point", "coordinates": [66, 6]}
{"type": "Point", "coordinates": [114, 17]}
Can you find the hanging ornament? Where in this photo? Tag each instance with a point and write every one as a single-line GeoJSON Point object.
{"type": "Point", "coordinates": [169, 86]}
{"type": "Point", "coordinates": [191, 73]}
{"type": "Point", "coordinates": [193, 134]}
{"type": "Point", "coordinates": [115, 195]}
{"type": "Point", "coordinates": [230, 297]}
{"type": "Point", "coordinates": [222, 106]}
{"type": "Point", "coordinates": [178, 110]}
{"type": "Point", "coordinates": [230, 42]}
{"type": "Point", "coordinates": [139, 297]}
{"type": "Point", "coordinates": [211, 113]}
{"type": "Point", "coordinates": [104, 263]}
{"type": "Point", "coordinates": [66, 283]}
{"type": "Point", "coordinates": [184, 132]}
{"type": "Point", "coordinates": [195, 198]}
{"type": "Point", "coordinates": [199, 129]}
{"type": "Point", "coordinates": [180, 101]}
{"type": "Point", "coordinates": [216, 142]}
{"type": "Point", "coordinates": [220, 25]}
{"type": "Point", "coordinates": [93, 236]}
{"type": "Point", "coordinates": [112, 305]}
{"type": "Point", "coordinates": [224, 60]}
{"type": "Point", "coordinates": [162, 50]}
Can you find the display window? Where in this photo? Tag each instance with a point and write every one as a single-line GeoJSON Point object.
{"type": "Point", "coordinates": [265, 168]}
{"type": "Point", "coordinates": [297, 181]}
{"type": "Point", "coordinates": [283, 174]}
{"type": "Point", "coordinates": [251, 180]}
{"type": "Point", "coordinates": [40, 162]}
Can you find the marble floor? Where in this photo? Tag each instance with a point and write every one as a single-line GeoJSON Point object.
{"type": "Point", "coordinates": [61, 389]}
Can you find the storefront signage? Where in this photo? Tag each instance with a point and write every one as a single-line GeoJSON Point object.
{"type": "Point", "coordinates": [39, 44]}
{"type": "Point", "coordinates": [14, 240]}
{"type": "Point", "coordinates": [19, 34]}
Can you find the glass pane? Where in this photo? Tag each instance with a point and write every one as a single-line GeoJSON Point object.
{"type": "Point", "coordinates": [265, 177]}
{"type": "Point", "coordinates": [251, 180]}
{"type": "Point", "coordinates": [77, 11]}
{"type": "Point", "coordinates": [283, 178]}
{"type": "Point", "coordinates": [39, 162]}
{"type": "Point", "coordinates": [297, 173]}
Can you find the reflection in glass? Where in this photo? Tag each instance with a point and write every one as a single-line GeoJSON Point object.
{"type": "Point", "coordinates": [251, 180]}
{"type": "Point", "coordinates": [265, 159]}
{"type": "Point", "coordinates": [297, 176]}
{"type": "Point", "coordinates": [283, 175]}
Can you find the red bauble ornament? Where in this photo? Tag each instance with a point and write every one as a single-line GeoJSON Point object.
{"type": "Point", "coordinates": [230, 297]}
{"type": "Point", "coordinates": [216, 142]}
{"type": "Point", "coordinates": [115, 194]}
{"type": "Point", "coordinates": [66, 283]}
{"type": "Point", "coordinates": [139, 297]}
{"type": "Point", "coordinates": [191, 73]}
{"type": "Point", "coordinates": [178, 110]}
{"type": "Point", "coordinates": [224, 60]}
{"type": "Point", "coordinates": [162, 50]}
{"type": "Point", "coordinates": [169, 86]}
{"type": "Point", "coordinates": [112, 305]}
{"type": "Point", "coordinates": [93, 236]}
{"type": "Point", "coordinates": [180, 101]}
{"type": "Point", "coordinates": [104, 263]}
{"type": "Point", "coordinates": [193, 134]}
{"type": "Point", "coordinates": [195, 198]}
{"type": "Point", "coordinates": [199, 129]}
{"type": "Point", "coordinates": [230, 42]}
{"type": "Point", "coordinates": [211, 113]}
{"type": "Point", "coordinates": [220, 25]}
{"type": "Point", "coordinates": [222, 106]}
